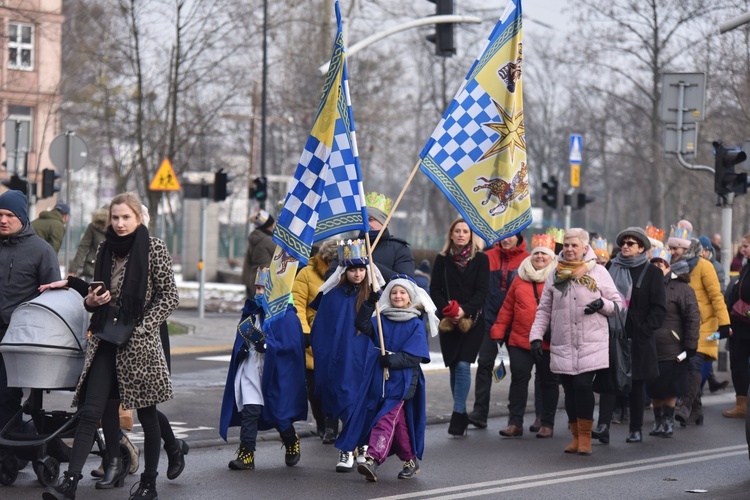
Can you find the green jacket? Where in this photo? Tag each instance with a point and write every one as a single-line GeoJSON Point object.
{"type": "Point", "coordinates": [49, 226]}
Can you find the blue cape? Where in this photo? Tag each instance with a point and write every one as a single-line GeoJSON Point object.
{"type": "Point", "coordinates": [338, 352]}
{"type": "Point", "coordinates": [410, 337]}
{"type": "Point", "coordinates": [283, 380]}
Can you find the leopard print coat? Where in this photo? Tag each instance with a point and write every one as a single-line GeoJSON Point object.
{"type": "Point", "coordinates": [142, 374]}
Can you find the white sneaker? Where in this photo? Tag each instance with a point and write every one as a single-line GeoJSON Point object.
{"type": "Point", "coordinates": [361, 450]}
{"type": "Point", "coordinates": [346, 461]}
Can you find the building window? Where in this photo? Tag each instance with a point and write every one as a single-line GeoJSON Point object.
{"type": "Point", "coordinates": [18, 127]}
{"type": "Point", "coordinates": [21, 46]}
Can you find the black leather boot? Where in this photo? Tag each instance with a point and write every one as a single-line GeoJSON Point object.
{"type": "Point", "coordinates": [668, 421]}
{"type": "Point", "coordinates": [176, 456]}
{"type": "Point", "coordinates": [146, 488]}
{"type": "Point", "coordinates": [114, 475]}
{"type": "Point", "coordinates": [601, 433]}
{"type": "Point", "coordinates": [658, 429]}
{"type": "Point", "coordinates": [65, 489]}
{"type": "Point", "coordinates": [459, 423]}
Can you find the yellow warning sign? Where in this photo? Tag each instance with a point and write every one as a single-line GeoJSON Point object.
{"type": "Point", "coordinates": [165, 178]}
{"type": "Point", "coordinates": [575, 175]}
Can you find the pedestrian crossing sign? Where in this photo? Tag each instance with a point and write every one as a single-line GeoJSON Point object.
{"type": "Point", "coordinates": [165, 178]}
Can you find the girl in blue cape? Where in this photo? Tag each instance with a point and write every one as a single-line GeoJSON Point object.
{"type": "Point", "coordinates": [392, 412]}
{"type": "Point", "coordinates": [338, 349]}
{"type": "Point", "coordinates": [265, 386]}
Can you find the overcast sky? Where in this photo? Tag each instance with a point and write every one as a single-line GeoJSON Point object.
{"type": "Point", "coordinates": [551, 12]}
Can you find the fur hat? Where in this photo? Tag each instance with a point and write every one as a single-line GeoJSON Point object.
{"type": "Point", "coordinates": [636, 233]}
{"type": "Point", "coordinates": [15, 202]}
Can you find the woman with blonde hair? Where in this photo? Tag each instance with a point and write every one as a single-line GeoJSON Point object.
{"type": "Point", "coordinates": [458, 288]}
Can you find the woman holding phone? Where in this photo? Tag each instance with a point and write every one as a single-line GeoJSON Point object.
{"type": "Point", "coordinates": [137, 272]}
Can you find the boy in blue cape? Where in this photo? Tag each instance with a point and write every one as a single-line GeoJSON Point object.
{"type": "Point", "coordinates": [265, 386]}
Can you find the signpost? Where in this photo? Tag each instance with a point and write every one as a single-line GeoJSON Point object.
{"type": "Point", "coordinates": [164, 180]}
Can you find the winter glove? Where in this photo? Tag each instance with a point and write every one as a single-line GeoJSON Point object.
{"type": "Point", "coordinates": [384, 361]}
{"type": "Point", "coordinates": [451, 310]}
{"type": "Point", "coordinates": [373, 298]}
{"type": "Point", "coordinates": [307, 341]}
{"type": "Point", "coordinates": [724, 332]}
{"type": "Point", "coordinates": [536, 350]}
{"type": "Point", "coordinates": [594, 306]}
{"type": "Point", "coordinates": [690, 353]}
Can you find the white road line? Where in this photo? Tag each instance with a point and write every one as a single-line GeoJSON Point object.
{"type": "Point", "coordinates": [545, 479]}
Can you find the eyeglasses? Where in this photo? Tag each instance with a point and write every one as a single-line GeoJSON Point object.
{"type": "Point", "coordinates": [629, 243]}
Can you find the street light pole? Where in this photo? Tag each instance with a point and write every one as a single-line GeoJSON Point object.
{"type": "Point", "coordinates": [264, 99]}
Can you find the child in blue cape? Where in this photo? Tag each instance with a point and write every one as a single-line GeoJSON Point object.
{"type": "Point", "coordinates": [392, 412]}
{"type": "Point", "coordinates": [265, 386]}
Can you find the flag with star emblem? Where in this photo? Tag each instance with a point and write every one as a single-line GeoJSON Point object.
{"type": "Point", "coordinates": [326, 195]}
{"type": "Point", "coordinates": [477, 153]}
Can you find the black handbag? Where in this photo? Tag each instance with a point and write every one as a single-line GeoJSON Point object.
{"type": "Point", "coordinates": [619, 376]}
{"type": "Point", "coordinates": [116, 330]}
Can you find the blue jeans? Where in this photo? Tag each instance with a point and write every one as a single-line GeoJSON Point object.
{"type": "Point", "coordinates": [460, 385]}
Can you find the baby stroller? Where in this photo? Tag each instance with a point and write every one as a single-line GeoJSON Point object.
{"type": "Point", "coordinates": [44, 348]}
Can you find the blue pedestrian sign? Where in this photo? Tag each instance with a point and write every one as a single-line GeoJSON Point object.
{"type": "Point", "coordinates": [576, 149]}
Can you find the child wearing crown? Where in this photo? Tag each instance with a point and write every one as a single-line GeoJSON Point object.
{"type": "Point", "coordinates": [390, 413]}
{"type": "Point", "coordinates": [265, 385]}
{"type": "Point", "coordinates": [338, 351]}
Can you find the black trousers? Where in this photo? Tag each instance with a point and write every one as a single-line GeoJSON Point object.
{"type": "Point", "coordinates": [739, 354]}
{"type": "Point", "coordinates": [579, 396]}
{"type": "Point", "coordinates": [521, 364]}
{"type": "Point", "coordinates": [100, 392]}
{"type": "Point", "coordinates": [483, 378]}
{"type": "Point", "coordinates": [315, 404]}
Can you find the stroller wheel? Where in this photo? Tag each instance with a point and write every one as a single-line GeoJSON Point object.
{"type": "Point", "coordinates": [47, 471]}
{"type": "Point", "coordinates": [8, 470]}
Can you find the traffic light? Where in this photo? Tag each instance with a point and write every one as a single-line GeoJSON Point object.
{"type": "Point", "coordinates": [221, 179]}
{"type": "Point", "coordinates": [17, 184]}
{"type": "Point", "coordinates": [49, 187]}
{"type": "Point", "coordinates": [583, 200]}
{"type": "Point", "coordinates": [443, 37]}
{"type": "Point", "coordinates": [259, 189]}
{"type": "Point", "coordinates": [726, 178]}
{"type": "Point", "coordinates": [550, 192]}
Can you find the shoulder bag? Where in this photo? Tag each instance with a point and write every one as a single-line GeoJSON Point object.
{"type": "Point", "coordinates": [740, 311]}
{"type": "Point", "coordinates": [619, 376]}
{"type": "Point", "coordinates": [116, 330]}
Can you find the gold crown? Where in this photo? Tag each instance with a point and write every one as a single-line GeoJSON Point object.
{"type": "Point", "coordinates": [558, 234]}
{"type": "Point", "coordinates": [379, 201]}
{"type": "Point", "coordinates": [543, 240]}
{"type": "Point", "coordinates": [261, 276]}
{"type": "Point", "coordinates": [655, 232]}
{"type": "Point", "coordinates": [352, 253]}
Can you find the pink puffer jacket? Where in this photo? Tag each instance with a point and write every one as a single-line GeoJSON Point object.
{"type": "Point", "coordinates": [580, 342]}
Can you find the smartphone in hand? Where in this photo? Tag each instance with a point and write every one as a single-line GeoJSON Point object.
{"type": "Point", "coordinates": [98, 284]}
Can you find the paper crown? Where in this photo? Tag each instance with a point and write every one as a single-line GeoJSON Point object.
{"type": "Point", "coordinates": [543, 240]}
{"type": "Point", "coordinates": [379, 201]}
{"type": "Point", "coordinates": [661, 253]}
{"type": "Point", "coordinates": [352, 253]}
{"type": "Point", "coordinates": [598, 244]}
{"type": "Point", "coordinates": [261, 276]}
{"type": "Point", "coordinates": [681, 232]}
{"type": "Point", "coordinates": [261, 218]}
{"type": "Point", "coordinates": [655, 233]}
{"type": "Point", "coordinates": [557, 233]}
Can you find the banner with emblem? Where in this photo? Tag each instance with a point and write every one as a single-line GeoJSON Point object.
{"type": "Point", "coordinates": [477, 153]}
{"type": "Point", "coordinates": [326, 196]}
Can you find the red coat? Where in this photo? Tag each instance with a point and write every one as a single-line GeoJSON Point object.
{"type": "Point", "coordinates": [517, 313]}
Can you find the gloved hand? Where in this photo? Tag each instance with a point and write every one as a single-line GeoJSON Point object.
{"type": "Point", "coordinates": [536, 350]}
{"type": "Point", "coordinates": [373, 298]}
{"type": "Point", "coordinates": [307, 341]}
{"type": "Point", "coordinates": [594, 306]}
{"type": "Point", "coordinates": [690, 353]}
{"type": "Point", "coordinates": [724, 332]}
{"type": "Point", "coordinates": [384, 361]}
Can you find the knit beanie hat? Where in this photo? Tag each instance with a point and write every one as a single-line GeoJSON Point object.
{"type": "Point", "coordinates": [15, 201]}
{"type": "Point", "coordinates": [706, 243]}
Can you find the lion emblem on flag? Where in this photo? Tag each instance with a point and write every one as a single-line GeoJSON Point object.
{"type": "Point", "coordinates": [503, 191]}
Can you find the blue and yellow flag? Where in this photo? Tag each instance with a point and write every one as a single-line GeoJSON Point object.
{"type": "Point", "coordinates": [477, 153]}
{"type": "Point", "coordinates": [326, 196]}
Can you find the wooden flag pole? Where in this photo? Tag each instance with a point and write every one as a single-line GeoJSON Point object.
{"type": "Point", "coordinates": [395, 204]}
{"type": "Point", "coordinates": [377, 306]}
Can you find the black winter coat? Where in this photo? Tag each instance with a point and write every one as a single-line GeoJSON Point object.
{"type": "Point", "coordinates": [645, 316]}
{"type": "Point", "coordinates": [468, 286]}
{"type": "Point", "coordinates": [682, 323]}
{"type": "Point", "coordinates": [740, 290]}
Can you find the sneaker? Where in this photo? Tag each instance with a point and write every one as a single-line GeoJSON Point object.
{"type": "Point", "coordinates": [369, 469]}
{"type": "Point", "coordinates": [361, 450]}
{"type": "Point", "coordinates": [411, 468]}
{"type": "Point", "coordinates": [346, 461]}
{"type": "Point", "coordinates": [291, 458]}
{"type": "Point", "coordinates": [245, 460]}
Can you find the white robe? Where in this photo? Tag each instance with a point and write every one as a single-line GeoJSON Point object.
{"type": "Point", "coordinates": [247, 389]}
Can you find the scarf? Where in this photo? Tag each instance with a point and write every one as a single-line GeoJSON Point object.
{"type": "Point", "coordinates": [574, 272]}
{"type": "Point", "coordinates": [132, 295]}
{"type": "Point", "coordinates": [527, 271]}
{"type": "Point", "coordinates": [460, 257]}
{"type": "Point", "coordinates": [620, 272]}
{"type": "Point", "coordinates": [400, 315]}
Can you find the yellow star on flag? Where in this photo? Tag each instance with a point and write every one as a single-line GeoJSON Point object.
{"type": "Point", "coordinates": [511, 130]}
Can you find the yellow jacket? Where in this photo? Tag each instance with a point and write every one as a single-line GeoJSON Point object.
{"type": "Point", "coordinates": [304, 291]}
{"type": "Point", "coordinates": [711, 303]}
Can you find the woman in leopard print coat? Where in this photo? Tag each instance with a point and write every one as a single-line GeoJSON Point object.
{"type": "Point", "coordinates": [137, 274]}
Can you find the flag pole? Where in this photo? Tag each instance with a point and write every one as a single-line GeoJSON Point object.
{"type": "Point", "coordinates": [395, 204]}
{"type": "Point", "coordinates": [377, 306]}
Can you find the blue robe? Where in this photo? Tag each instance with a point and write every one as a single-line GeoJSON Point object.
{"type": "Point", "coordinates": [407, 336]}
{"type": "Point", "coordinates": [338, 351]}
{"type": "Point", "coordinates": [283, 380]}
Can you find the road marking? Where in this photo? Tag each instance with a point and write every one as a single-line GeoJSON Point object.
{"type": "Point", "coordinates": [554, 478]}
